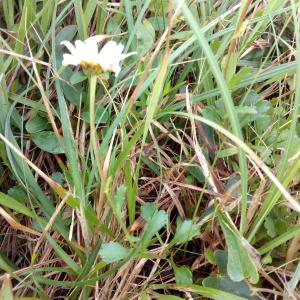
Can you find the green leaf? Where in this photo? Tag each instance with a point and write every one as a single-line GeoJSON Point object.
{"type": "Point", "coordinates": [270, 226]}
{"type": "Point", "coordinates": [72, 93]}
{"type": "Point", "coordinates": [225, 284]}
{"type": "Point", "coordinates": [119, 199]}
{"type": "Point", "coordinates": [47, 141]}
{"type": "Point", "coordinates": [66, 34]}
{"type": "Point", "coordinates": [240, 263]}
{"type": "Point", "coordinates": [113, 251]}
{"type": "Point", "coordinates": [77, 77]}
{"type": "Point", "coordinates": [240, 76]}
{"type": "Point", "coordinates": [246, 110]}
{"type": "Point", "coordinates": [156, 221]}
{"type": "Point", "coordinates": [101, 115]}
{"type": "Point", "coordinates": [185, 231]}
{"type": "Point", "coordinates": [231, 63]}
{"type": "Point", "coordinates": [145, 37]}
{"type": "Point", "coordinates": [18, 194]}
{"type": "Point", "coordinates": [183, 275]}
{"type": "Point", "coordinates": [196, 172]}
{"type": "Point", "coordinates": [147, 211]}
{"type": "Point", "coordinates": [37, 123]}
{"type": "Point", "coordinates": [266, 259]}
{"type": "Point", "coordinates": [209, 255]}
{"type": "Point", "coordinates": [9, 202]}
{"type": "Point", "coordinates": [117, 204]}
{"type": "Point", "coordinates": [221, 260]}
{"type": "Point", "coordinates": [5, 264]}
{"type": "Point", "coordinates": [58, 177]}
{"type": "Point", "coordinates": [210, 293]}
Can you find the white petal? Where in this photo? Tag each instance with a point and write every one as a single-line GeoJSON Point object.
{"type": "Point", "coordinates": [80, 46]}
{"type": "Point", "coordinates": [69, 59]}
{"type": "Point", "coordinates": [70, 47]}
{"type": "Point", "coordinates": [110, 56]}
{"type": "Point", "coordinates": [87, 50]}
{"type": "Point", "coordinates": [111, 49]}
{"type": "Point", "coordinates": [95, 39]}
{"type": "Point", "coordinates": [116, 68]}
{"type": "Point", "coordinates": [128, 54]}
{"type": "Point", "coordinates": [91, 45]}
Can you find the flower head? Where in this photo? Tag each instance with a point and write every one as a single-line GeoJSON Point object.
{"type": "Point", "coordinates": [86, 54]}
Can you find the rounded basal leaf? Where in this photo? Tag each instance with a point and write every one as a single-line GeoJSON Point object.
{"type": "Point", "coordinates": [37, 123]}
{"type": "Point", "coordinates": [67, 33]}
{"type": "Point", "coordinates": [47, 141]}
{"type": "Point", "coordinates": [183, 275]}
{"type": "Point", "coordinates": [225, 284]}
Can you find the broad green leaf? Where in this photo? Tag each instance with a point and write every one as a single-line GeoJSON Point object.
{"type": "Point", "coordinates": [209, 255]}
{"type": "Point", "coordinates": [73, 93]}
{"type": "Point", "coordinates": [183, 275]}
{"type": "Point", "coordinates": [58, 177]}
{"type": "Point", "coordinates": [113, 251]}
{"type": "Point", "coordinates": [185, 231]}
{"type": "Point", "coordinates": [47, 141]}
{"type": "Point", "coordinates": [148, 210]}
{"type": "Point", "coordinates": [221, 257]}
{"type": "Point", "coordinates": [66, 34]}
{"type": "Point", "coordinates": [270, 226]}
{"type": "Point", "coordinates": [77, 77]}
{"type": "Point", "coordinates": [225, 284]}
{"type": "Point", "coordinates": [113, 26]}
{"type": "Point", "coordinates": [240, 263]}
{"type": "Point", "coordinates": [156, 221]}
{"type": "Point", "coordinates": [37, 123]}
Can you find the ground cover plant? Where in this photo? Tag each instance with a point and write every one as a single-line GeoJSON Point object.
{"type": "Point", "coordinates": [175, 176]}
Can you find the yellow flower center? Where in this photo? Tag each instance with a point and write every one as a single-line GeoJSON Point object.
{"type": "Point", "coordinates": [92, 67]}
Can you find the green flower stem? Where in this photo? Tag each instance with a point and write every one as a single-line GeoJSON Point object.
{"type": "Point", "coordinates": [94, 140]}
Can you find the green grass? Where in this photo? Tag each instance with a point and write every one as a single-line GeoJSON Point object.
{"type": "Point", "coordinates": [177, 179]}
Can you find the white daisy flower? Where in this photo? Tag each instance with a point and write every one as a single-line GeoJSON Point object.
{"type": "Point", "coordinates": [85, 53]}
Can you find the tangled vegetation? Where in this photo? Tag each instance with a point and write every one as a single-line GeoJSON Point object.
{"type": "Point", "coordinates": [175, 178]}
